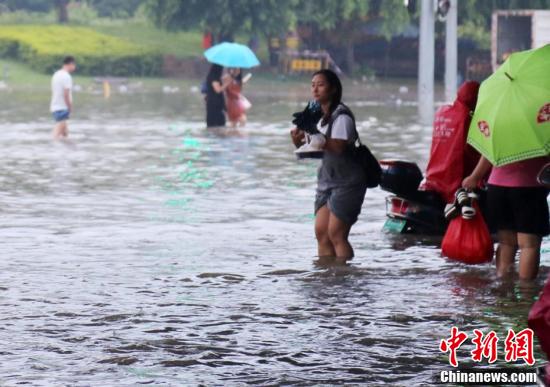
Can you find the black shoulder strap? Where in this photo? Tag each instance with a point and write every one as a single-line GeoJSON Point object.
{"type": "Point", "coordinates": [342, 111]}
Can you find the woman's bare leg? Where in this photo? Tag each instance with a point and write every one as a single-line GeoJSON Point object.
{"type": "Point", "coordinates": [338, 233]}
{"type": "Point", "coordinates": [324, 245]}
{"type": "Point", "coordinates": [529, 257]}
{"type": "Point", "coordinates": [242, 120]}
{"type": "Point", "coordinates": [506, 252]}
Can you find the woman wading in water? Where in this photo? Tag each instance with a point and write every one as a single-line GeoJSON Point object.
{"type": "Point", "coordinates": [341, 183]}
{"type": "Point", "coordinates": [215, 102]}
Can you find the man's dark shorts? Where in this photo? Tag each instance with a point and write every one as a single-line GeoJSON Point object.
{"type": "Point", "coordinates": [60, 115]}
{"type": "Point", "coordinates": [344, 202]}
{"type": "Point", "coordinates": [518, 209]}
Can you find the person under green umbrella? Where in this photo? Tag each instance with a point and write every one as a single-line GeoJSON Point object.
{"type": "Point", "coordinates": [511, 129]}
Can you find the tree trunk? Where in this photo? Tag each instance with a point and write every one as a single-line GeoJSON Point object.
{"type": "Point", "coordinates": [62, 12]}
{"type": "Point", "coordinates": [350, 56]}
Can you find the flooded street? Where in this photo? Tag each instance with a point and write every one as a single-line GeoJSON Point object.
{"type": "Point", "coordinates": [149, 250]}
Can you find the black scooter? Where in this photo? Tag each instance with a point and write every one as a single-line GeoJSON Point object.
{"type": "Point", "coordinates": [408, 209]}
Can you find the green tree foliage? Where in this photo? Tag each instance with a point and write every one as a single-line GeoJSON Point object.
{"type": "Point", "coordinates": [395, 17]}
{"type": "Point", "coordinates": [479, 12]}
{"type": "Point", "coordinates": [224, 17]}
{"type": "Point", "coordinates": [60, 7]}
{"type": "Point", "coordinates": [328, 14]}
{"type": "Point", "coordinates": [475, 17]}
{"type": "Point", "coordinates": [115, 8]}
{"type": "Point", "coordinates": [27, 5]}
{"type": "Point", "coordinates": [340, 21]}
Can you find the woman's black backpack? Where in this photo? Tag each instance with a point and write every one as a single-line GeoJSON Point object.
{"type": "Point", "coordinates": [361, 153]}
{"type": "Point", "coordinates": [372, 168]}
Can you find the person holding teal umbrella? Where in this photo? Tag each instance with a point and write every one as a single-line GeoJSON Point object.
{"type": "Point", "coordinates": [229, 55]}
{"type": "Point", "coordinates": [215, 102]}
{"type": "Point", "coordinates": [511, 129]}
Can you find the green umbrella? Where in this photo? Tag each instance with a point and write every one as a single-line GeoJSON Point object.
{"type": "Point", "coordinates": [512, 117]}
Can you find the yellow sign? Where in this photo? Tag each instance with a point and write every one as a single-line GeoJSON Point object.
{"type": "Point", "coordinates": [292, 43]}
{"type": "Point", "coordinates": [305, 65]}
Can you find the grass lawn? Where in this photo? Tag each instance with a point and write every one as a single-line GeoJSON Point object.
{"type": "Point", "coordinates": [183, 44]}
{"type": "Point", "coordinates": [17, 73]}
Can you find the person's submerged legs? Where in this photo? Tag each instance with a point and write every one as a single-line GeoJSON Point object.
{"type": "Point", "coordinates": [60, 130]}
{"type": "Point", "coordinates": [338, 233]}
{"type": "Point", "coordinates": [506, 252]}
{"type": "Point", "coordinates": [529, 259]}
{"type": "Point", "coordinates": [325, 247]}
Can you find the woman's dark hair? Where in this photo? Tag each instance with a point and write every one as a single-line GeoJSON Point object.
{"type": "Point", "coordinates": [215, 73]}
{"type": "Point", "coordinates": [336, 92]}
{"type": "Point", "coordinates": [239, 78]}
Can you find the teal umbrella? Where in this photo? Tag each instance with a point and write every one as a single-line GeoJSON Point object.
{"type": "Point", "coordinates": [231, 55]}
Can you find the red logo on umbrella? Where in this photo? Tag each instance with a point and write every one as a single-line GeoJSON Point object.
{"type": "Point", "coordinates": [484, 128]}
{"type": "Point", "coordinates": [544, 114]}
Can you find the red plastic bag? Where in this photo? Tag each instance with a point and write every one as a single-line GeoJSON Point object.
{"type": "Point", "coordinates": [539, 319]}
{"type": "Point", "coordinates": [468, 240]}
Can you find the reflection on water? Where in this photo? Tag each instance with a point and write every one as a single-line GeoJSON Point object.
{"type": "Point", "coordinates": [152, 251]}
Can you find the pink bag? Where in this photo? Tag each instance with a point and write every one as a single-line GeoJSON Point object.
{"type": "Point", "coordinates": [468, 240]}
{"type": "Point", "coordinates": [244, 103]}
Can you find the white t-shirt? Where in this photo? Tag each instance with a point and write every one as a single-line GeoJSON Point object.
{"type": "Point", "coordinates": [61, 80]}
{"type": "Point", "coordinates": [342, 128]}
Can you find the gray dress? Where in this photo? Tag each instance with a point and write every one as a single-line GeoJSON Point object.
{"type": "Point", "coordinates": [341, 183]}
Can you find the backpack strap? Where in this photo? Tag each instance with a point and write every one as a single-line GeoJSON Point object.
{"type": "Point", "coordinates": [347, 112]}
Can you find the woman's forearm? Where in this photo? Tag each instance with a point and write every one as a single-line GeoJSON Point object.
{"type": "Point", "coordinates": [482, 168]}
{"type": "Point", "coordinates": [219, 88]}
{"type": "Point", "coordinates": [297, 137]}
{"type": "Point", "coordinates": [480, 171]}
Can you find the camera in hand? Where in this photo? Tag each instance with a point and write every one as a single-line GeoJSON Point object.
{"type": "Point", "coordinates": [306, 121]}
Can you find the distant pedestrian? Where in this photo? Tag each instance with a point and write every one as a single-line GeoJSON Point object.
{"type": "Point", "coordinates": [62, 100]}
{"type": "Point", "coordinates": [236, 103]}
{"type": "Point", "coordinates": [206, 40]}
{"type": "Point", "coordinates": [215, 102]}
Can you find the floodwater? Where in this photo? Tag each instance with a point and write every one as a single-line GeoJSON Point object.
{"type": "Point", "coordinates": [151, 251]}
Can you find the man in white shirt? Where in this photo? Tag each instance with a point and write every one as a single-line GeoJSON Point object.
{"type": "Point", "coordinates": [62, 100]}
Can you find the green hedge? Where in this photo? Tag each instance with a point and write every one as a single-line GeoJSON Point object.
{"type": "Point", "coordinates": [43, 48]}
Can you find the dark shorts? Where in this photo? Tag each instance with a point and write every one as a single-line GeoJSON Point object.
{"type": "Point", "coordinates": [344, 202]}
{"type": "Point", "coordinates": [519, 209]}
{"type": "Point", "coordinates": [60, 115]}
